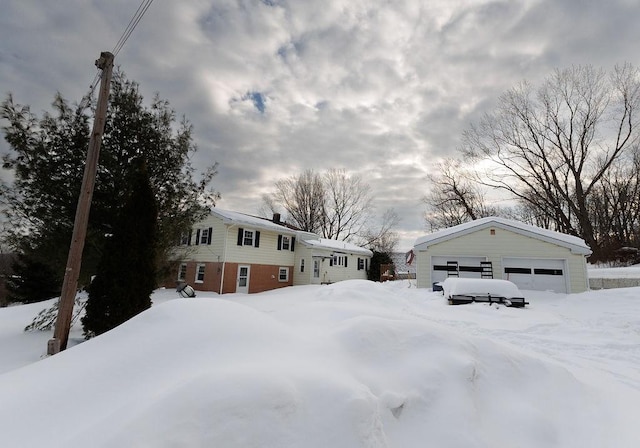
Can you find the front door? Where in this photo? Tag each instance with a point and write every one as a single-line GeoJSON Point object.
{"type": "Point", "coordinates": [242, 285]}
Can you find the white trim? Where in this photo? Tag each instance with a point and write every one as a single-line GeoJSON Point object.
{"type": "Point", "coordinates": [204, 268]}
{"type": "Point", "coordinates": [182, 276]}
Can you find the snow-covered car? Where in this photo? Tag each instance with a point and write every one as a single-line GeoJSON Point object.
{"type": "Point", "coordinates": [460, 291]}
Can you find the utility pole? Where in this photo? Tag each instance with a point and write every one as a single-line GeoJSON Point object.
{"type": "Point", "coordinates": [74, 260]}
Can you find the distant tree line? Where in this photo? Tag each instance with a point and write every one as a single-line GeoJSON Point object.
{"type": "Point", "coordinates": [566, 153]}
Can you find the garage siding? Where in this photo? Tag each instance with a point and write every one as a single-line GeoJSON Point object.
{"type": "Point", "coordinates": [503, 243]}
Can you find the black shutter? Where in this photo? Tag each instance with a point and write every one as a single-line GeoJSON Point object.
{"type": "Point", "coordinates": [346, 257]}
{"type": "Point", "coordinates": [279, 242]}
{"type": "Point", "coordinates": [257, 242]}
{"type": "Point", "coordinates": [359, 265]}
{"type": "Point", "coordinates": [240, 236]}
{"type": "Point", "coordinates": [198, 237]}
{"type": "Point", "coordinates": [189, 240]}
{"type": "Point", "coordinates": [210, 233]}
{"type": "Point", "coordinates": [293, 243]}
{"type": "Point", "coordinates": [331, 261]}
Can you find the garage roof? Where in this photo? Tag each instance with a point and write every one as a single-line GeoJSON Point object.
{"type": "Point", "coordinates": [575, 244]}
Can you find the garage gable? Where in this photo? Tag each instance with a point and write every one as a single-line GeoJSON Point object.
{"type": "Point", "coordinates": [574, 244]}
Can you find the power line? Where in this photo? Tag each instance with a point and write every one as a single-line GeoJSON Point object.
{"type": "Point", "coordinates": [142, 9]}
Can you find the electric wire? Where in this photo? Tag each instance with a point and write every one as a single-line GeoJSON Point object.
{"type": "Point", "coordinates": [142, 9]}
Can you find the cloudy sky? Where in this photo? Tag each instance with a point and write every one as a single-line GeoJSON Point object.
{"type": "Point", "coordinates": [381, 88]}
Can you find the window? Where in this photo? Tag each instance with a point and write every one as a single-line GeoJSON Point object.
{"type": "Point", "coordinates": [541, 271]}
{"type": "Point", "coordinates": [182, 272]}
{"type": "Point", "coordinates": [248, 238]}
{"type": "Point", "coordinates": [286, 242]}
{"type": "Point", "coordinates": [517, 270]}
{"type": "Point", "coordinates": [339, 260]}
{"type": "Point", "coordinates": [185, 239]}
{"type": "Point", "coordinates": [360, 264]}
{"type": "Point", "coordinates": [316, 268]}
{"type": "Point", "coordinates": [200, 273]}
{"type": "Point", "coordinates": [205, 236]}
{"type": "Point", "coordinates": [302, 265]}
{"type": "Point", "coordinates": [283, 274]}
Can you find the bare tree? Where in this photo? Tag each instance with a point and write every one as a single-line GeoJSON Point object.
{"type": "Point", "coordinates": [553, 146]}
{"type": "Point", "coordinates": [384, 238]}
{"type": "Point", "coordinates": [454, 197]}
{"type": "Point", "coordinates": [615, 206]}
{"type": "Point", "coordinates": [334, 205]}
{"type": "Point", "coordinates": [347, 205]}
{"type": "Point", "coordinates": [303, 199]}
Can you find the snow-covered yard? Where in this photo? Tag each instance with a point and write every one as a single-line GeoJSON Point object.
{"type": "Point", "coordinates": [353, 364]}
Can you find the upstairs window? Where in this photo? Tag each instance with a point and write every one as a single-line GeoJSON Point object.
{"type": "Point", "coordinates": [248, 238]}
{"type": "Point", "coordinates": [203, 236]}
{"type": "Point", "coordinates": [286, 242]}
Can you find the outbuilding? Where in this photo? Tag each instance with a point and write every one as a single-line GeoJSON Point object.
{"type": "Point", "coordinates": [531, 257]}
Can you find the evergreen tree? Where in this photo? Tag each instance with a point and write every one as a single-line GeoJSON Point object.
{"type": "Point", "coordinates": [32, 280]}
{"type": "Point", "coordinates": [47, 158]}
{"type": "Point", "coordinates": [126, 274]}
{"type": "Point", "coordinates": [378, 258]}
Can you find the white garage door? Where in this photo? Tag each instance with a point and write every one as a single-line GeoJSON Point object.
{"type": "Point", "coordinates": [464, 267]}
{"type": "Point", "coordinates": [536, 274]}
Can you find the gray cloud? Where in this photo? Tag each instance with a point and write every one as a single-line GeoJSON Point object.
{"type": "Point", "coordinates": [273, 87]}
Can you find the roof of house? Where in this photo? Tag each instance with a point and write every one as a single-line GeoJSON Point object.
{"type": "Point", "coordinates": [241, 219]}
{"type": "Point", "coordinates": [575, 244]}
{"type": "Point", "coordinates": [337, 246]}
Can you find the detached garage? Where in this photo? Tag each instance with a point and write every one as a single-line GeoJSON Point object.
{"type": "Point", "coordinates": [531, 257]}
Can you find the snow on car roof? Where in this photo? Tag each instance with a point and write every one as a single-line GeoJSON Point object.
{"type": "Point", "coordinates": [476, 286]}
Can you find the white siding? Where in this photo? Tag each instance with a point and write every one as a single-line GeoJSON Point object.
{"type": "Point", "coordinates": [205, 252]}
{"type": "Point", "coordinates": [267, 252]}
{"type": "Point", "coordinates": [306, 277]}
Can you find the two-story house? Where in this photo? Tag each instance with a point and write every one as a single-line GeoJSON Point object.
{"type": "Point", "coordinates": [233, 252]}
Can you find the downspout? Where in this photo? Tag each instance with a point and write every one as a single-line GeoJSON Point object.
{"type": "Point", "coordinates": [224, 257]}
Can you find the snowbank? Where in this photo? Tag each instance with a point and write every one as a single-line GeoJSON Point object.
{"type": "Point", "coordinates": [353, 364]}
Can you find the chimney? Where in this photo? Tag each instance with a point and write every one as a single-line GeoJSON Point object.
{"type": "Point", "coordinates": [276, 218]}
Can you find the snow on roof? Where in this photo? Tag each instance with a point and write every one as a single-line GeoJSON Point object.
{"type": "Point", "coordinates": [238, 218]}
{"type": "Point", "coordinates": [577, 245]}
{"type": "Point", "coordinates": [310, 239]}
{"type": "Point", "coordinates": [338, 246]}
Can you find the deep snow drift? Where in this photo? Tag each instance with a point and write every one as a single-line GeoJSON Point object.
{"type": "Point", "coordinates": [353, 364]}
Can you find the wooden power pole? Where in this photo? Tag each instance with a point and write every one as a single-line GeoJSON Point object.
{"type": "Point", "coordinates": [70, 283]}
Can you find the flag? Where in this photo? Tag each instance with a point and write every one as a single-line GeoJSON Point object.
{"type": "Point", "coordinates": [409, 256]}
